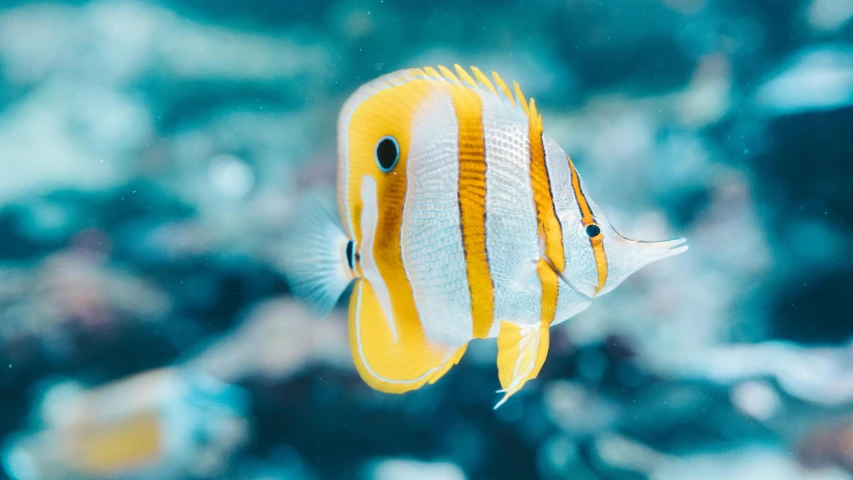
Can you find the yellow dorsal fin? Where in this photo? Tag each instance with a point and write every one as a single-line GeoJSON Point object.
{"type": "Point", "coordinates": [480, 81]}
{"type": "Point", "coordinates": [521, 353]}
{"type": "Point", "coordinates": [503, 87]}
{"type": "Point", "coordinates": [520, 96]}
{"type": "Point", "coordinates": [431, 72]}
{"type": "Point", "coordinates": [446, 73]}
{"type": "Point", "coordinates": [535, 117]}
{"type": "Point", "coordinates": [464, 75]}
{"type": "Point", "coordinates": [483, 79]}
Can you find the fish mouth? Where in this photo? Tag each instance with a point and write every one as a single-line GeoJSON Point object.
{"type": "Point", "coordinates": [654, 251]}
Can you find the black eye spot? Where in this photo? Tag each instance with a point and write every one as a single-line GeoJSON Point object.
{"type": "Point", "coordinates": [350, 258]}
{"type": "Point", "coordinates": [387, 153]}
{"type": "Point", "coordinates": [593, 230]}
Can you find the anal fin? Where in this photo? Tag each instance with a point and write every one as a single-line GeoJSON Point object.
{"type": "Point", "coordinates": [454, 359]}
{"type": "Point", "coordinates": [521, 353]}
{"type": "Point", "coordinates": [393, 355]}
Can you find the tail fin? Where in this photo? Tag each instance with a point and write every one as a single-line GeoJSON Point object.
{"type": "Point", "coordinates": [315, 256]}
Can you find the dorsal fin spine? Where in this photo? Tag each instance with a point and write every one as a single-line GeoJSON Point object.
{"type": "Point", "coordinates": [432, 73]}
{"type": "Point", "coordinates": [503, 87]}
{"type": "Point", "coordinates": [520, 97]}
{"type": "Point", "coordinates": [535, 117]}
{"type": "Point", "coordinates": [465, 76]}
{"type": "Point", "coordinates": [448, 74]}
{"type": "Point", "coordinates": [483, 79]}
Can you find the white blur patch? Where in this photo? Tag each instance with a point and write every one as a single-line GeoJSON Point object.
{"type": "Point", "coordinates": [62, 404]}
{"type": "Point", "coordinates": [816, 79]}
{"type": "Point", "coordinates": [756, 399]}
{"type": "Point", "coordinates": [20, 464]}
{"type": "Point", "coordinates": [396, 468]}
{"type": "Point", "coordinates": [749, 463]}
{"type": "Point", "coordinates": [828, 15]}
{"type": "Point", "coordinates": [231, 177]}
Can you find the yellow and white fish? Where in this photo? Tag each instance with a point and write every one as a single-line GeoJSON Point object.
{"type": "Point", "coordinates": [461, 220]}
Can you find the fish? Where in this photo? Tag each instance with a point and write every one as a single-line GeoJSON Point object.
{"type": "Point", "coordinates": [457, 219]}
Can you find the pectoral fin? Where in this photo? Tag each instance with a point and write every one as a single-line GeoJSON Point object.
{"type": "Point", "coordinates": [521, 353]}
{"type": "Point", "coordinates": [393, 356]}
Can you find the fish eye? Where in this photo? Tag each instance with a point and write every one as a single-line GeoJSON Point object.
{"type": "Point", "coordinates": [387, 153]}
{"type": "Point", "coordinates": [593, 230]}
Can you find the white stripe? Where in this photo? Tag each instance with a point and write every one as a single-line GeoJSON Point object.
{"type": "Point", "coordinates": [530, 334]}
{"type": "Point", "coordinates": [512, 239]}
{"type": "Point", "coordinates": [431, 235]}
{"type": "Point", "coordinates": [369, 223]}
{"type": "Point", "coordinates": [569, 301]}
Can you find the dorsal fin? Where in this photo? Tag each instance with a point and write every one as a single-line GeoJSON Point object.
{"type": "Point", "coordinates": [465, 76]}
{"type": "Point", "coordinates": [480, 81]}
{"type": "Point", "coordinates": [503, 87]}
{"type": "Point", "coordinates": [483, 79]}
{"type": "Point", "coordinates": [520, 97]}
{"type": "Point", "coordinates": [432, 73]}
{"type": "Point", "coordinates": [448, 74]}
{"type": "Point", "coordinates": [535, 116]}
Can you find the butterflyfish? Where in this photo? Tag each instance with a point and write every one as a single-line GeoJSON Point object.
{"type": "Point", "coordinates": [459, 219]}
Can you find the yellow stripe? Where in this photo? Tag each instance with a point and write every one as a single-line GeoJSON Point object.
{"type": "Point", "coordinates": [549, 225]}
{"type": "Point", "coordinates": [587, 219]}
{"type": "Point", "coordinates": [472, 206]}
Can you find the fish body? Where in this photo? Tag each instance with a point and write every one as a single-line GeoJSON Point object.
{"type": "Point", "coordinates": [459, 219]}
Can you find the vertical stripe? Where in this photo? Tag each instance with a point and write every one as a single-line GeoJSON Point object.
{"type": "Point", "coordinates": [570, 300]}
{"type": "Point", "coordinates": [550, 229]}
{"type": "Point", "coordinates": [472, 206]}
{"type": "Point", "coordinates": [587, 219]}
{"type": "Point", "coordinates": [431, 240]}
{"type": "Point", "coordinates": [512, 238]}
{"type": "Point", "coordinates": [374, 200]}
{"type": "Point", "coordinates": [369, 227]}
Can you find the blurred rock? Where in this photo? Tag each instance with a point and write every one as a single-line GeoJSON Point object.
{"type": "Point", "coordinates": [120, 40]}
{"type": "Point", "coordinates": [818, 375]}
{"type": "Point", "coordinates": [67, 134]}
{"type": "Point", "coordinates": [165, 424]}
{"type": "Point", "coordinates": [818, 78]}
{"type": "Point", "coordinates": [828, 15]}
{"type": "Point", "coordinates": [282, 339]}
{"type": "Point", "coordinates": [72, 291]}
{"type": "Point", "coordinates": [828, 444]}
{"type": "Point", "coordinates": [749, 464]}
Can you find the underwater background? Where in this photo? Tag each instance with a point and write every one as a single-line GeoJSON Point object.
{"type": "Point", "coordinates": [153, 153]}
